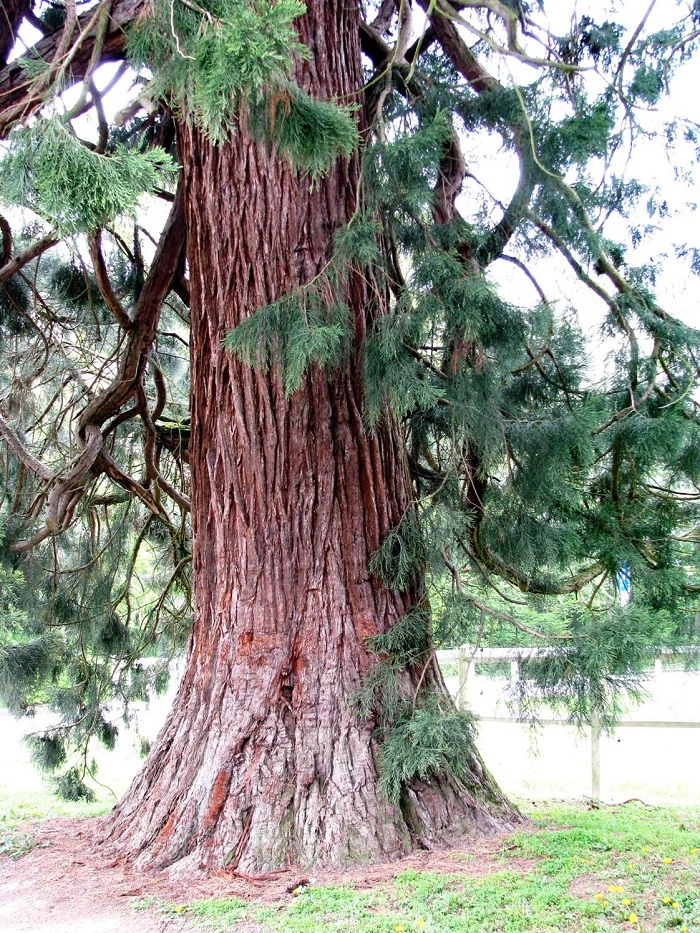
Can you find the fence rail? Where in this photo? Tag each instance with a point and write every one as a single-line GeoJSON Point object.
{"type": "Point", "coordinates": [468, 656]}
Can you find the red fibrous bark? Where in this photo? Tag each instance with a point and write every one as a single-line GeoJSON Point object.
{"type": "Point", "coordinates": [263, 760]}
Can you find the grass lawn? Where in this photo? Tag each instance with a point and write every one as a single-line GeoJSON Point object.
{"type": "Point", "coordinates": [627, 867]}
{"type": "Point", "coordinates": [617, 868]}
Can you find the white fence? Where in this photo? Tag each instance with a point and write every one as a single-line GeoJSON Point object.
{"type": "Point", "coordinates": [467, 657]}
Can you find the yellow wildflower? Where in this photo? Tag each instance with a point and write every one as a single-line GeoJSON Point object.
{"type": "Point", "coordinates": [615, 888]}
{"type": "Point", "coordinates": [645, 849]}
{"type": "Point", "coordinates": [599, 897]}
{"type": "Point", "coordinates": [693, 851]}
{"type": "Point", "coordinates": [627, 902]}
{"type": "Point", "coordinates": [399, 928]}
{"type": "Point", "coordinates": [684, 929]}
{"type": "Point", "coordinates": [667, 860]}
{"type": "Point", "coordinates": [675, 905]}
{"type": "Point", "coordinates": [667, 900]}
{"type": "Point", "coordinates": [632, 918]}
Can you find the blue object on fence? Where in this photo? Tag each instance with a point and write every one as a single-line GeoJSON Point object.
{"type": "Point", "coordinates": [623, 580]}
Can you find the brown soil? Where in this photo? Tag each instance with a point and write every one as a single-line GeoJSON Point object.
{"type": "Point", "coordinates": [65, 884]}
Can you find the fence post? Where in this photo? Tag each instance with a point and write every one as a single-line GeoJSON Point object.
{"type": "Point", "coordinates": [595, 755]}
{"type": "Point", "coordinates": [462, 673]}
{"type": "Point", "coordinates": [514, 671]}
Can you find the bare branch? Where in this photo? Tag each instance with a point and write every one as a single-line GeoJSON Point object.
{"type": "Point", "coordinates": [385, 17]}
{"type": "Point", "coordinates": [21, 452]}
{"type": "Point", "coordinates": [106, 464]}
{"type": "Point", "coordinates": [9, 268]}
{"type": "Point", "coordinates": [103, 283]}
{"type": "Point", "coordinates": [21, 96]}
{"type": "Point", "coordinates": [145, 318]}
{"type": "Point", "coordinates": [58, 501]}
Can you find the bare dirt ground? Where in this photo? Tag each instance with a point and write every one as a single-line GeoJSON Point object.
{"type": "Point", "coordinates": [65, 884]}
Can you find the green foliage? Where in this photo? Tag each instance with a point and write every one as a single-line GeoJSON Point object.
{"type": "Point", "coordinates": [310, 133]}
{"type": "Point", "coordinates": [401, 171]}
{"type": "Point", "coordinates": [593, 672]}
{"type": "Point", "coordinates": [216, 64]}
{"type": "Point", "coordinates": [71, 786]}
{"type": "Point", "coordinates": [23, 666]}
{"type": "Point", "coordinates": [14, 303]}
{"type": "Point", "coordinates": [385, 690]}
{"type": "Point", "coordinates": [107, 733]}
{"type": "Point", "coordinates": [48, 751]}
{"type": "Point", "coordinates": [399, 559]}
{"type": "Point", "coordinates": [382, 693]}
{"type": "Point", "coordinates": [75, 285]}
{"type": "Point", "coordinates": [406, 642]}
{"type": "Point", "coordinates": [395, 381]}
{"type": "Point", "coordinates": [112, 637]}
{"type": "Point", "coordinates": [306, 327]}
{"type": "Point", "coordinates": [419, 738]}
{"type": "Point", "coordinates": [208, 60]}
{"type": "Point", "coordinates": [53, 16]}
{"type": "Point", "coordinates": [427, 743]}
{"type": "Point", "coordinates": [49, 170]}
{"type": "Point", "coordinates": [647, 84]}
{"type": "Point", "coordinates": [575, 140]}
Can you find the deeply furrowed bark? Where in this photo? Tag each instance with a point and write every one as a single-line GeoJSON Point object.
{"type": "Point", "coordinates": [263, 761]}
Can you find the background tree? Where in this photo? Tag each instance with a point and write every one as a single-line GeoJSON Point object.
{"type": "Point", "coordinates": [375, 435]}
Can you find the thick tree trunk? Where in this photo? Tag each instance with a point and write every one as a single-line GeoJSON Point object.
{"type": "Point", "coordinates": [263, 760]}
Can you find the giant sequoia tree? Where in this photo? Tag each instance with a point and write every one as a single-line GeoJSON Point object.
{"type": "Point", "coordinates": [376, 441]}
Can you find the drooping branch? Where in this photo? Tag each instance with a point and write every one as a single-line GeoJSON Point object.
{"type": "Point", "coordinates": [105, 463]}
{"type": "Point", "coordinates": [94, 459]}
{"type": "Point", "coordinates": [145, 315]}
{"type": "Point", "coordinates": [21, 452]}
{"type": "Point", "coordinates": [60, 495]}
{"type": "Point", "coordinates": [20, 96]}
{"type": "Point", "coordinates": [103, 283]}
{"type": "Point", "coordinates": [14, 264]}
{"type": "Point", "coordinates": [527, 584]}
{"type": "Point", "coordinates": [481, 82]}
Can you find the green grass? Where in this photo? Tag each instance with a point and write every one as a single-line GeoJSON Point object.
{"type": "Point", "coordinates": [615, 868]}
{"type": "Point", "coordinates": [578, 870]}
{"type": "Point", "coordinates": [20, 810]}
